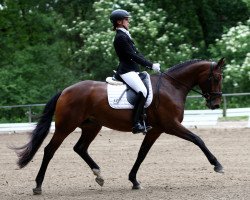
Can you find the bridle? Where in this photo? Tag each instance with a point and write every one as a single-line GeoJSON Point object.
{"type": "Point", "coordinates": [211, 78]}
{"type": "Point", "coordinates": [208, 94]}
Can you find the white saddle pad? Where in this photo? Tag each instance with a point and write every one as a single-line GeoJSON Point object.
{"type": "Point", "coordinates": [116, 101]}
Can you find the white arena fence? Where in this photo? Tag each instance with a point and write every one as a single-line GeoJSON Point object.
{"type": "Point", "coordinates": [210, 117]}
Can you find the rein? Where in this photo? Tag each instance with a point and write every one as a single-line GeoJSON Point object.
{"type": "Point", "coordinates": [176, 80]}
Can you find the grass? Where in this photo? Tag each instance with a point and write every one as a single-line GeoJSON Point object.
{"type": "Point", "coordinates": [238, 118]}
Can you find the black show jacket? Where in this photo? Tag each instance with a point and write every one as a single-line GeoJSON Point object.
{"type": "Point", "coordinates": [128, 55]}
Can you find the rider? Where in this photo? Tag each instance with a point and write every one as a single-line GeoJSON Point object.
{"type": "Point", "coordinates": [128, 69]}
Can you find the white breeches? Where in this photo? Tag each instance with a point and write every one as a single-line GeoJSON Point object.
{"type": "Point", "coordinates": [134, 81]}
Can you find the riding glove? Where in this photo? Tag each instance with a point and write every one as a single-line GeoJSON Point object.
{"type": "Point", "coordinates": [156, 67]}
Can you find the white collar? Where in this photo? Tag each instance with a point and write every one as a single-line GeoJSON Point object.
{"type": "Point", "coordinates": [125, 31]}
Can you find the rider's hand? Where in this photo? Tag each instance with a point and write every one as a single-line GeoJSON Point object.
{"type": "Point", "coordinates": [156, 67]}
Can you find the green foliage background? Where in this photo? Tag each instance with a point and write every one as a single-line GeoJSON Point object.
{"type": "Point", "coordinates": [47, 45]}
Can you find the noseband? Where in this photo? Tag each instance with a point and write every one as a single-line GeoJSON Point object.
{"type": "Point", "coordinates": [208, 95]}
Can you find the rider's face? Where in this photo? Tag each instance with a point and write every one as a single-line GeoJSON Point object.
{"type": "Point", "coordinates": [124, 23]}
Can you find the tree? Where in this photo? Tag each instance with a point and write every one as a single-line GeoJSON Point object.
{"type": "Point", "coordinates": [234, 45]}
{"type": "Point", "coordinates": [205, 20]}
{"type": "Point", "coordinates": [158, 40]}
{"type": "Point", "coordinates": [33, 55]}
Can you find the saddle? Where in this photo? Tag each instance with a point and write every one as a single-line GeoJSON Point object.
{"type": "Point", "coordinates": [121, 96]}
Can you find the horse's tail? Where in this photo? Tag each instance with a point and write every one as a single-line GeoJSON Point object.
{"type": "Point", "coordinates": [27, 152]}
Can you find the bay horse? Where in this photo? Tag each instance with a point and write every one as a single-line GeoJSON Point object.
{"type": "Point", "coordinates": [85, 105]}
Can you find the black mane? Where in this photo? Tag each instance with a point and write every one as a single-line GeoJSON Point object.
{"type": "Point", "coordinates": [183, 64]}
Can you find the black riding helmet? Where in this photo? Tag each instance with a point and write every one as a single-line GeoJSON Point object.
{"type": "Point", "coordinates": [118, 14]}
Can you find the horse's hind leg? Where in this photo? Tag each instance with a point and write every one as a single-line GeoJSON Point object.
{"type": "Point", "coordinates": [49, 152]}
{"type": "Point", "coordinates": [90, 129]}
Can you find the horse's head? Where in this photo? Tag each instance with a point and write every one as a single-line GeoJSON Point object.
{"type": "Point", "coordinates": [211, 87]}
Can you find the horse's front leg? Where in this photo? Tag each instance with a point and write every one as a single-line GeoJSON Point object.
{"type": "Point", "coordinates": [147, 143]}
{"type": "Point", "coordinates": [184, 133]}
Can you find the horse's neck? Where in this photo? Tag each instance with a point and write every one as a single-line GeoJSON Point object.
{"type": "Point", "coordinates": [186, 78]}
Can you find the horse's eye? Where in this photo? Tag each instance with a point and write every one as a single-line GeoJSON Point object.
{"type": "Point", "coordinates": [217, 78]}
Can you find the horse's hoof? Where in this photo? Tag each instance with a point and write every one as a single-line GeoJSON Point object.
{"type": "Point", "coordinates": [219, 169]}
{"type": "Point", "coordinates": [136, 187]}
{"type": "Point", "coordinates": [99, 180]}
{"type": "Point", "coordinates": [37, 191]}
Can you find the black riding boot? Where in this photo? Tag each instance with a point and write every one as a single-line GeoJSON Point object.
{"type": "Point", "coordinates": [137, 115]}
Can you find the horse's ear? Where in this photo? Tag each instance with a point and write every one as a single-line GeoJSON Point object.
{"type": "Point", "coordinates": [221, 62]}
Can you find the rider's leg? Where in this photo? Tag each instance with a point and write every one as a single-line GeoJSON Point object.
{"type": "Point", "coordinates": [137, 114]}
{"type": "Point", "coordinates": [134, 81]}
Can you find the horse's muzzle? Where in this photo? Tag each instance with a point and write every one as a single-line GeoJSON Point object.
{"type": "Point", "coordinates": [215, 107]}
{"type": "Point", "coordinates": [213, 100]}
{"type": "Point", "coordinates": [213, 104]}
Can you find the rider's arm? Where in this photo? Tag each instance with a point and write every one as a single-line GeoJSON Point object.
{"type": "Point", "coordinates": [126, 49]}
